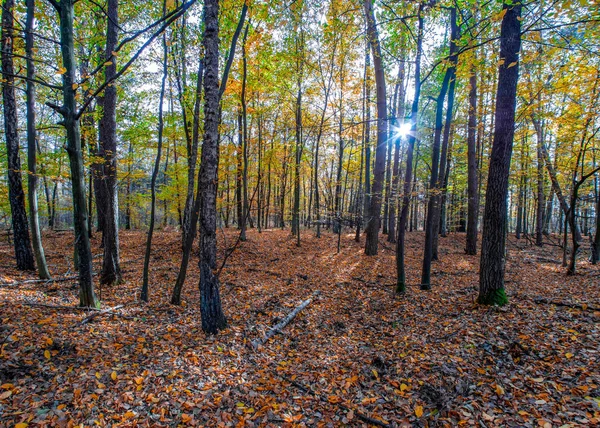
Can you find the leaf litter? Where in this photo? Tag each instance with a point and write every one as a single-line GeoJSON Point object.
{"type": "Point", "coordinates": [357, 355]}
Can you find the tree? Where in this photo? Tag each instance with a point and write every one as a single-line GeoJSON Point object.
{"type": "Point", "coordinates": [493, 257]}
{"type": "Point", "coordinates": [111, 269]}
{"type": "Point", "coordinates": [435, 182]}
{"type": "Point", "coordinates": [161, 125]}
{"type": "Point", "coordinates": [473, 187]}
{"type": "Point", "coordinates": [32, 178]}
{"type": "Point", "coordinates": [408, 174]}
{"type": "Point", "coordinates": [372, 229]}
{"type": "Point", "coordinates": [213, 318]}
{"type": "Point", "coordinates": [22, 243]}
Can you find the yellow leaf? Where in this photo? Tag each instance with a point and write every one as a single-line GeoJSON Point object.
{"type": "Point", "coordinates": [128, 414]}
{"type": "Point", "coordinates": [512, 64]}
{"type": "Point", "coordinates": [62, 70]}
{"type": "Point", "coordinates": [499, 390]}
{"type": "Point", "coordinates": [49, 342]}
{"type": "Point", "coordinates": [403, 387]}
{"type": "Point", "coordinates": [114, 53]}
{"type": "Point", "coordinates": [569, 355]}
{"type": "Point", "coordinates": [107, 63]}
{"type": "Point", "coordinates": [47, 354]}
{"type": "Point", "coordinates": [419, 411]}
{"type": "Point", "coordinates": [185, 418]}
{"type": "Point", "coordinates": [375, 373]}
{"type": "Point", "coordinates": [75, 86]}
{"type": "Point", "coordinates": [139, 380]}
{"type": "Point", "coordinates": [21, 425]}
{"type": "Point", "coordinates": [98, 375]}
{"type": "Point", "coordinates": [113, 375]}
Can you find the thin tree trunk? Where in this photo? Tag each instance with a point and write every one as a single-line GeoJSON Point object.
{"type": "Point", "coordinates": [68, 110]}
{"type": "Point", "coordinates": [145, 279]}
{"type": "Point", "coordinates": [473, 194]}
{"type": "Point", "coordinates": [372, 229]}
{"type": "Point", "coordinates": [36, 236]}
{"type": "Point", "coordinates": [367, 137]}
{"type": "Point", "coordinates": [440, 212]}
{"type": "Point", "coordinates": [399, 120]}
{"type": "Point", "coordinates": [402, 220]}
{"type": "Point", "coordinates": [437, 165]}
{"type": "Point", "coordinates": [493, 252]}
{"type": "Point", "coordinates": [541, 204]}
{"type": "Point", "coordinates": [245, 212]}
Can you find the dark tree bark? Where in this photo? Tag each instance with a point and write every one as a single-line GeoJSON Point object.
{"type": "Point", "coordinates": [111, 269]}
{"type": "Point", "coordinates": [145, 275]}
{"type": "Point", "coordinates": [372, 229]}
{"type": "Point", "coordinates": [36, 236]}
{"type": "Point", "coordinates": [192, 207]}
{"type": "Point", "coordinates": [491, 274]}
{"type": "Point", "coordinates": [21, 241]}
{"type": "Point", "coordinates": [473, 186]}
{"type": "Point", "coordinates": [408, 174]}
{"type": "Point", "coordinates": [68, 110]}
{"type": "Point", "coordinates": [213, 318]}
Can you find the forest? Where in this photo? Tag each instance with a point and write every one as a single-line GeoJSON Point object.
{"type": "Point", "coordinates": [300, 213]}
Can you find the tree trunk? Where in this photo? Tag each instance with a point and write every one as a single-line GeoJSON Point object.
{"type": "Point", "coordinates": [36, 236]}
{"type": "Point", "coordinates": [22, 243]}
{"type": "Point", "coordinates": [372, 229]}
{"type": "Point", "coordinates": [337, 223]}
{"type": "Point", "coordinates": [399, 119]}
{"type": "Point", "coordinates": [541, 204]}
{"type": "Point", "coordinates": [87, 297]}
{"type": "Point", "coordinates": [213, 318]}
{"type": "Point", "coordinates": [367, 138]}
{"type": "Point", "coordinates": [436, 165]}
{"type": "Point", "coordinates": [473, 187]}
{"type": "Point", "coordinates": [245, 207]}
{"type": "Point", "coordinates": [145, 278]}
{"type": "Point", "coordinates": [493, 254]}
{"type": "Point", "coordinates": [111, 269]}
{"type": "Point", "coordinates": [412, 136]}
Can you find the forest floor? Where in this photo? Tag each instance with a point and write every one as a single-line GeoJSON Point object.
{"type": "Point", "coordinates": [357, 353]}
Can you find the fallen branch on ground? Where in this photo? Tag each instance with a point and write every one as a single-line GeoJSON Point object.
{"type": "Point", "coordinates": [583, 307]}
{"type": "Point", "coordinates": [101, 312]}
{"type": "Point", "coordinates": [38, 281]}
{"type": "Point", "coordinates": [278, 327]}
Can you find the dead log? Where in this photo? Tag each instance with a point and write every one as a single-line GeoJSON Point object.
{"type": "Point", "coordinates": [101, 312]}
{"type": "Point", "coordinates": [279, 326]}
